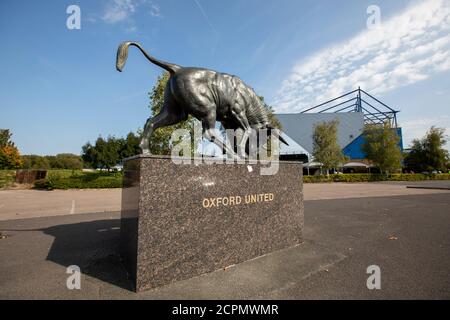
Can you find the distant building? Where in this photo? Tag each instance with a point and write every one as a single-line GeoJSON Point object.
{"type": "Point", "coordinates": [353, 110]}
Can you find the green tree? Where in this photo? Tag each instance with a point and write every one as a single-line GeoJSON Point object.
{"type": "Point", "coordinates": [105, 154]}
{"type": "Point", "coordinates": [9, 154]}
{"type": "Point", "coordinates": [5, 138]}
{"type": "Point", "coordinates": [326, 149]}
{"type": "Point", "coordinates": [160, 141]}
{"type": "Point", "coordinates": [110, 152]}
{"type": "Point", "coordinates": [130, 145]}
{"type": "Point", "coordinates": [381, 147]}
{"type": "Point", "coordinates": [428, 153]}
{"type": "Point", "coordinates": [33, 161]}
{"type": "Point", "coordinates": [89, 155]}
{"type": "Point", "coordinates": [65, 161]}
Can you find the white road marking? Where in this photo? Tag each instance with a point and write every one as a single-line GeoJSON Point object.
{"type": "Point", "coordinates": [72, 209]}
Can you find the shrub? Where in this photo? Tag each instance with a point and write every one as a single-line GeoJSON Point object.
{"type": "Point", "coordinates": [43, 184]}
{"type": "Point", "coordinates": [366, 177]}
{"type": "Point", "coordinates": [68, 179]}
{"type": "Point", "coordinates": [7, 178]}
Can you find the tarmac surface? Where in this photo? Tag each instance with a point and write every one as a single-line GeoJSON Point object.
{"type": "Point", "coordinates": [407, 236]}
{"type": "Point", "coordinates": [21, 204]}
{"type": "Point", "coordinates": [438, 185]}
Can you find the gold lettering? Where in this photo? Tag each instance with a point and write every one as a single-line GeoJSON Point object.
{"type": "Point", "coordinates": [236, 200]}
{"type": "Point", "coordinates": [226, 200]}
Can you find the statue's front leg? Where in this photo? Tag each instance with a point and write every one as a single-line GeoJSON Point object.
{"type": "Point", "coordinates": [240, 117]}
{"type": "Point", "coordinates": [148, 129]}
{"type": "Point", "coordinates": [242, 143]}
{"type": "Point", "coordinates": [144, 145]}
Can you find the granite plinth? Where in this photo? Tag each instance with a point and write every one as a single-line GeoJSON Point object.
{"type": "Point", "coordinates": [183, 220]}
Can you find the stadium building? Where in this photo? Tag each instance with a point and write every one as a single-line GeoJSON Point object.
{"type": "Point", "coordinates": [353, 110]}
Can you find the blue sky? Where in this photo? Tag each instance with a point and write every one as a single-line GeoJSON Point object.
{"type": "Point", "coordinates": [59, 87]}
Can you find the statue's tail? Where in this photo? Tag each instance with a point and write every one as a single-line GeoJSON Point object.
{"type": "Point", "coordinates": [122, 54]}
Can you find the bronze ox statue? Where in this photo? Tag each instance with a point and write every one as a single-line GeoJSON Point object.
{"type": "Point", "coordinates": [207, 95]}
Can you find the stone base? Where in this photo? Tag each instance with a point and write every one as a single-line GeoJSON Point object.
{"type": "Point", "coordinates": [183, 220]}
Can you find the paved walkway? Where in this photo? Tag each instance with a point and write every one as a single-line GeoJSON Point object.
{"type": "Point", "coordinates": [321, 191]}
{"type": "Point", "coordinates": [406, 236]}
{"type": "Point", "coordinates": [20, 204]}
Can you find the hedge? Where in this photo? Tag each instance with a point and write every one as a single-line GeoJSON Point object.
{"type": "Point", "coordinates": [366, 177]}
{"type": "Point", "coordinates": [62, 179]}
{"type": "Point", "coordinates": [7, 178]}
{"type": "Point", "coordinates": [77, 179]}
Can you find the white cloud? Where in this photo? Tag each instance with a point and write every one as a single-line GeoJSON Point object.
{"type": "Point", "coordinates": [405, 49]}
{"type": "Point", "coordinates": [123, 10]}
{"type": "Point", "coordinates": [155, 10]}
{"type": "Point", "coordinates": [119, 10]}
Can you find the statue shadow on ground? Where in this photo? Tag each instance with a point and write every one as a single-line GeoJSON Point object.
{"type": "Point", "coordinates": [93, 246]}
